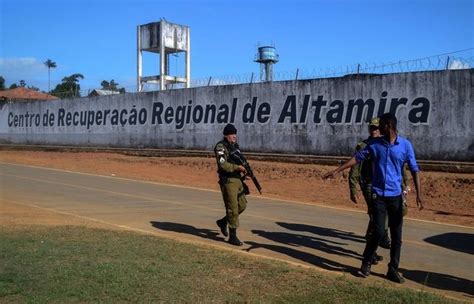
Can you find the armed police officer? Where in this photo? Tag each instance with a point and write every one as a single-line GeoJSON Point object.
{"type": "Point", "coordinates": [232, 188]}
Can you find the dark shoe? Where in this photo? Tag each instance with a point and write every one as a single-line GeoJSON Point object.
{"type": "Point", "coordinates": [376, 259]}
{"type": "Point", "coordinates": [394, 276]}
{"type": "Point", "coordinates": [365, 269]}
{"type": "Point", "coordinates": [233, 239]}
{"type": "Point", "coordinates": [385, 242]}
{"type": "Point", "coordinates": [222, 223]}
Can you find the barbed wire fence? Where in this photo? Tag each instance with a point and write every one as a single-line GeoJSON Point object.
{"type": "Point", "coordinates": [462, 59]}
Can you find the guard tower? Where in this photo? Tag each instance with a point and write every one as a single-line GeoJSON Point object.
{"type": "Point", "coordinates": [164, 38]}
{"type": "Point", "coordinates": [266, 56]}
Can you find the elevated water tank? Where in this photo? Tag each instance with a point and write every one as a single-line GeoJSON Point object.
{"type": "Point", "coordinates": [266, 56]}
{"type": "Point", "coordinates": [166, 39]}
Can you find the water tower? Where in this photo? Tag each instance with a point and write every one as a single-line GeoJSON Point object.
{"type": "Point", "coordinates": [266, 56]}
{"type": "Point", "coordinates": [164, 38]}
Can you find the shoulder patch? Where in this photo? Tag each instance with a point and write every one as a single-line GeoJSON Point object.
{"type": "Point", "coordinates": [360, 146]}
{"type": "Point", "coordinates": [219, 146]}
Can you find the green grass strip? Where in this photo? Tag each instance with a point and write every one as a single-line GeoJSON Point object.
{"type": "Point", "coordinates": [74, 264]}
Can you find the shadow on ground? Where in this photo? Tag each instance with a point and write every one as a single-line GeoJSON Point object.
{"type": "Point", "coordinates": [293, 245]}
{"type": "Point", "coordinates": [331, 241]}
{"type": "Point", "coordinates": [440, 281]}
{"type": "Point", "coordinates": [300, 240]}
{"type": "Point", "coordinates": [305, 257]}
{"type": "Point", "coordinates": [322, 231]}
{"type": "Point", "coordinates": [463, 242]}
{"type": "Point", "coordinates": [188, 229]}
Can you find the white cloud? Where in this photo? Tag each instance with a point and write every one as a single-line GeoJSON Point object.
{"type": "Point", "coordinates": [458, 65]}
{"type": "Point", "coordinates": [30, 69]}
{"type": "Point", "coordinates": [21, 67]}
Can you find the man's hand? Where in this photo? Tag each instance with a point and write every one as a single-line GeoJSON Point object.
{"type": "Point", "coordinates": [351, 162]}
{"type": "Point", "coordinates": [242, 169]}
{"type": "Point", "coordinates": [355, 198]}
{"type": "Point", "coordinates": [419, 203]}
{"type": "Point", "coordinates": [330, 174]}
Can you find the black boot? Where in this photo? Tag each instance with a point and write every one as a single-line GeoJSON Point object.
{"type": "Point", "coordinates": [364, 270]}
{"type": "Point", "coordinates": [222, 223]}
{"type": "Point", "coordinates": [385, 242]}
{"type": "Point", "coordinates": [394, 276]}
{"type": "Point", "coordinates": [233, 239]}
{"type": "Point", "coordinates": [376, 259]}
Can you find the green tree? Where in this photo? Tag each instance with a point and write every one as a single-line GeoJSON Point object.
{"type": "Point", "coordinates": [105, 84]}
{"type": "Point", "coordinates": [13, 86]}
{"type": "Point", "coordinates": [69, 87]}
{"type": "Point", "coordinates": [2, 83]}
{"type": "Point", "coordinates": [22, 83]}
{"type": "Point", "coordinates": [111, 86]}
{"type": "Point", "coordinates": [51, 65]}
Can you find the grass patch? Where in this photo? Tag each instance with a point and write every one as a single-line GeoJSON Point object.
{"type": "Point", "coordinates": [76, 264]}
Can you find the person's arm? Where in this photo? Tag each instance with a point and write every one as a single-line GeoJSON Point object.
{"type": "Point", "coordinates": [354, 174]}
{"type": "Point", "coordinates": [416, 180]}
{"type": "Point", "coordinates": [405, 179]}
{"type": "Point", "coordinates": [221, 158]}
{"type": "Point", "coordinates": [351, 162]}
{"type": "Point", "coordinates": [415, 173]}
{"type": "Point", "coordinates": [357, 158]}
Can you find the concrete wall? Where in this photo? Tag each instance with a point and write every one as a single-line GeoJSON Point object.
{"type": "Point", "coordinates": [321, 116]}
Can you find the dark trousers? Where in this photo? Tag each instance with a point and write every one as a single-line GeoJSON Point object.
{"type": "Point", "coordinates": [367, 192]}
{"type": "Point", "coordinates": [382, 207]}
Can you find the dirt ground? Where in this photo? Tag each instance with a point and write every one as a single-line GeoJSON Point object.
{"type": "Point", "coordinates": [448, 197]}
{"type": "Point", "coordinates": [18, 216]}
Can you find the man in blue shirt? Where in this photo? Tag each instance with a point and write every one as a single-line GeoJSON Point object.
{"type": "Point", "coordinates": [388, 153]}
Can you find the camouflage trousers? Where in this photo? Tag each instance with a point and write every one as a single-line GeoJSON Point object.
{"type": "Point", "coordinates": [234, 200]}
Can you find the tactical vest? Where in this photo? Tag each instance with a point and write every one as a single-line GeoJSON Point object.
{"type": "Point", "coordinates": [365, 177]}
{"type": "Point", "coordinates": [230, 148]}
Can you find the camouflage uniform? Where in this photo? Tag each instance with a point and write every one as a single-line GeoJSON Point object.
{"type": "Point", "coordinates": [231, 185]}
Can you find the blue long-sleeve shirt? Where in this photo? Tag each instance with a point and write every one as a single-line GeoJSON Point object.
{"type": "Point", "coordinates": [387, 163]}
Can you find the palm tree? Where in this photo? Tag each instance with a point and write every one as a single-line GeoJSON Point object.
{"type": "Point", "coordinates": [51, 65]}
{"type": "Point", "coordinates": [73, 78]}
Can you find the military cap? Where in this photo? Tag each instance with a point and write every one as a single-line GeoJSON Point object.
{"type": "Point", "coordinates": [374, 122]}
{"type": "Point", "coordinates": [229, 129]}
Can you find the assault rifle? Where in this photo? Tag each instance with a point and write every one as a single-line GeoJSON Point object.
{"type": "Point", "coordinates": [242, 161]}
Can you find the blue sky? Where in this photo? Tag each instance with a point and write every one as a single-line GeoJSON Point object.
{"type": "Point", "coordinates": [98, 38]}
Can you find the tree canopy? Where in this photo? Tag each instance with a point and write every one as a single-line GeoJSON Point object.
{"type": "Point", "coordinates": [50, 64]}
{"type": "Point", "coordinates": [111, 86]}
{"type": "Point", "coordinates": [69, 87]}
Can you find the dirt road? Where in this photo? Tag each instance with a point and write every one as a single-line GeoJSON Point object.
{"type": "Point", "coordinates": [437, 257]}
{"type": "Point", "coordinates": [449, 197]}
